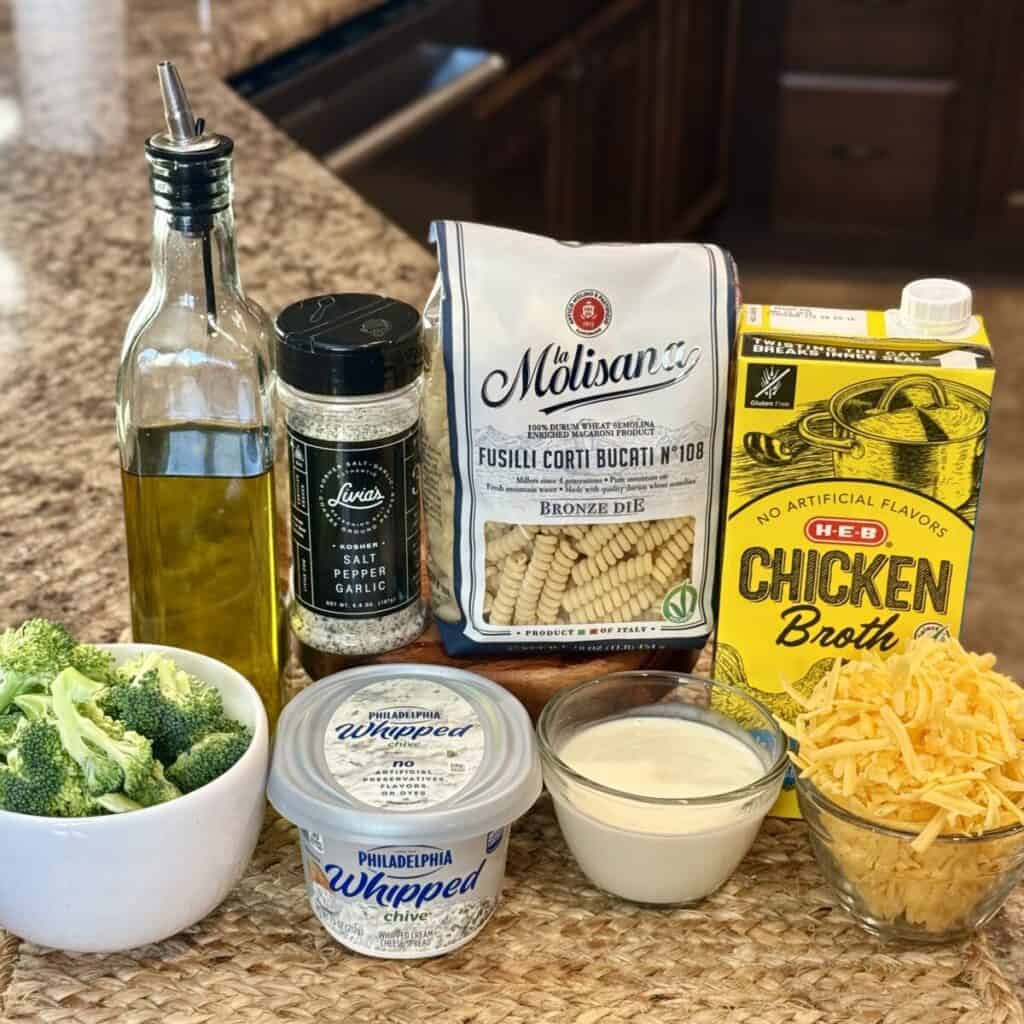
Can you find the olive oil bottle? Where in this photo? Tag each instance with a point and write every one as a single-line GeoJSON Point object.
{"type": "Point", "coordinates": [195, 421]}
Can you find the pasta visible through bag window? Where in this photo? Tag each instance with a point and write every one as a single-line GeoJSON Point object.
{"type": "Point", "coordinates": [573, 427]}
{"type": "Point", "coordinates": [543, 575]}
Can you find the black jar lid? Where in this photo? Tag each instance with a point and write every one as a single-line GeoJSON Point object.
{"type": "Point", "coordinates": [348, 344]}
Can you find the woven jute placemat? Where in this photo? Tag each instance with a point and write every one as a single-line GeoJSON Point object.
{"type": "Point", "coordinates": [771, 947]}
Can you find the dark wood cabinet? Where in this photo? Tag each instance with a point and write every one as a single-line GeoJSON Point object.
{"type": "Point", "coordinates": [524, 155]}
{"type": "Point", "coordinates": [877, 107]}
{"type": "Point", "coordinates": [614, 133]}
{"type": "Point", "coordinates": [902, 118]}
{"type": "Point", "coordinates": [875, 37]}
{"type": "Point", "coordinates": [619, 131]}
{"type": "Point", "coordinates": [524, 29]}
{"type": "Point", "coordinates": [1001, 193]}
{"type": "Point", "coordinates": [847, 158]}
{"type": "Point", "coordinates": [694, 97]}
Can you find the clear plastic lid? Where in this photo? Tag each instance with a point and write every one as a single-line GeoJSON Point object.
{"type": "Point", "coordinates": [404, 752]}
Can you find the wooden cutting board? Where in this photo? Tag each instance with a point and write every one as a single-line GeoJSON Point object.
{"type": "Point", "coordinates": [534, 679]}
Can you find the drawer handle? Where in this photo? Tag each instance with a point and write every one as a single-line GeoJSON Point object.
{"type": "Point", "coordinates": [574, 71]}
{"type": "Point", "coordinates": [857, 152]}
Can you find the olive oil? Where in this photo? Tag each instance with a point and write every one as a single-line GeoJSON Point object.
{"type": "Point", "coordinates": [199, 516]}
{"type": "Point", "coordinates": [195, 419]}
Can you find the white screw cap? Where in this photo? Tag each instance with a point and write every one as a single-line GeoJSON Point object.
{"type": "Point", "coordinates": [936, 305]}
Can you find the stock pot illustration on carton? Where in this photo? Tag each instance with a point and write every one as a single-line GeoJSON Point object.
{"type": "Point", "coordinates": [914, 431]}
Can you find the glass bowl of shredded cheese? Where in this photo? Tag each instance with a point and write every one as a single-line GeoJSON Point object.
{"type": "Point", "coordinates": [911, 780]}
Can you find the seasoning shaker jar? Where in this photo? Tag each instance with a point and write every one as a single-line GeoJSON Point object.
{"type": "Point", "coordinates": [349, 371]}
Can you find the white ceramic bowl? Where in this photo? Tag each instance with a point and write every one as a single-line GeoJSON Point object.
{"type": "Point", "coordinates": [109, 883]}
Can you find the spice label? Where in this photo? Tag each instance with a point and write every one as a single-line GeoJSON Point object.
{"type": "Point", "coordinates": [405, 744]}
{"type": "Point", "coordinates": [355, 524]}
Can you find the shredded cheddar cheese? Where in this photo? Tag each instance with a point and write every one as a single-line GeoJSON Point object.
{"type": "Point", "coordinates": [929, 741]}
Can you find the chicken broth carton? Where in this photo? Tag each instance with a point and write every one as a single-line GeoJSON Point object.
{"type": "Point", "coordinates": [857, 444]}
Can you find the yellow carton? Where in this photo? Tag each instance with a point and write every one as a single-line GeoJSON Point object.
{"type": "Point", "coordinates": [856, 455]}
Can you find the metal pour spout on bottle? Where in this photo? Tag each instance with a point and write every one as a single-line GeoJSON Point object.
{"type": "Point", "coordinates": [181, 122]}
{"type": "Point", "coordinates": [184, 131]}
{"type": "Point", "coordinates": [195, 420]}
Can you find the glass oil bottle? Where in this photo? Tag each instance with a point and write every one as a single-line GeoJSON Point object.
{"type": "Point", "coordinates": [195, 421]}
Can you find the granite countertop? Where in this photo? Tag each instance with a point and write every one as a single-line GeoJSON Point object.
{"type": "Point", "coordinates": [78, 97]}
{"type": "Point", "coordinates": [229, 35]}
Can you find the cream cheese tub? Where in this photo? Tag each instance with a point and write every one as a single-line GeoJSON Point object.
{"type": "Point", "coordinates": [660, 781]}
{"type": "Point", "coordinates": [403, 781]}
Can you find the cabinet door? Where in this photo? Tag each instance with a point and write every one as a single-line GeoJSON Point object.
{"type": "Point", "coordinates": [693, 109]}
{"type": "Point", "coordinates": [524, 155]}
{"type": "Point", "coordinates": [909, 37]}
{"type": "Point", "coordinates": [615, 131]}
{"type": "Point", "coordinates": [845, 157]}
{"type": "Point", "coordinates": [1000, 210]}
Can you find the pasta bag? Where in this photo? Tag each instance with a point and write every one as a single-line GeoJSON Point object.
{"type": "Point", "coordinates": [573, 430]}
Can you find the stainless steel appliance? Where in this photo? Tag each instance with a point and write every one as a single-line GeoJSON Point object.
{"type": "Point", "coordinates": [383, 101]}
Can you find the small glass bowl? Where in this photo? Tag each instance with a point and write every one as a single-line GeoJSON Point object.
{"type": "Point", "coordinates": [669, 851]}
{"type": "Point", "coordinates": [942, 895]}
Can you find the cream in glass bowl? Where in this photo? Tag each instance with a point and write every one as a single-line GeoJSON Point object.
{"type": "Point", "coordinates": [660, 780]}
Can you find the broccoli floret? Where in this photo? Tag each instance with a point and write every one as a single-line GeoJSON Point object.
{"type": "Point", "coordinates": [34, 653]}
{"type": "Point", "coordinates": [211, 757]}
{"type": "Point", "coordinates": [117, 803]}
{"type": "Point", "coordinates": [111, 757]}
{"type": "Point", "coordinates": [137, 702]}
{"type": "Point", "coordinates": [8, 724]}
{"type": "Point", "coordinates": [36, 643]}
{"type": "Point", "coordinates": [39, 777]}
{"type": "Point", "coordinates": [164, 703]}
{"type": "Point", "coordinates": [153, 788]}
{"type": "Point", "coordinates": [101, 770]}
{"type": "Point", "coordinates": [35, 705]}
{"type": "Point", "coordinates": [30, 656]}
{"type": "Point", "coordinates": [60, 754]}
{"type": "Point", "coordinates": [94, 663]}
